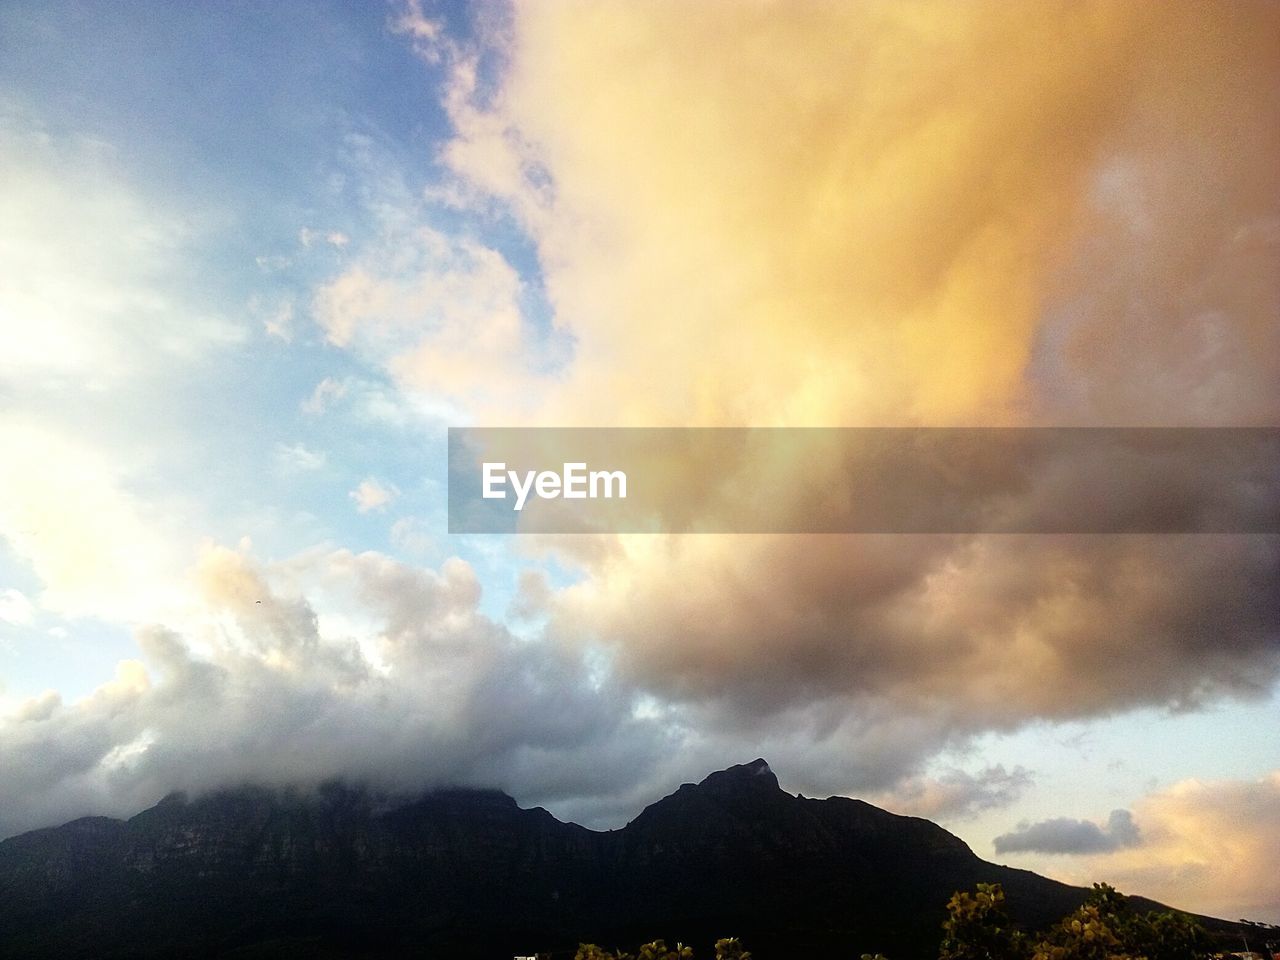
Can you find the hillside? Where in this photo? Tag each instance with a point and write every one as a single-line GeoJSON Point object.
{"type": "Point", "coordinates": [339, 872]}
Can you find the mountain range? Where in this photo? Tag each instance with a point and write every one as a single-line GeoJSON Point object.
{"type": "Point", "coordinates": [339, 871]}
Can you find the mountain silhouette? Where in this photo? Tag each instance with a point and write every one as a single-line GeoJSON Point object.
{"type": "Point", "coordinates": [341, 872]}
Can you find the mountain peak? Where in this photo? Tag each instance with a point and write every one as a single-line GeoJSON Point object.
{"type": "Point", "coordinates": [755, 775]}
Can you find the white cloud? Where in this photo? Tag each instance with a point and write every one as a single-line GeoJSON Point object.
{"type": "Point", "coordinates": [411, 535]}
{"type": "Point", "coordinates": [442, 315]}
{"type": "Point", "coordinates": [418, 688]}
{"type": "Point", "coordinates": [97, 549]}
{"type": "Point", "coordinates": [90, 266]}
{"type": "Point", "coordinates": [277, 321]}
{"type": "Point", "coordinates": [272, 263]}
{"type": "Point", "coordinates": [40, 707]}
{"type": "Point", "coordinates": [326, 392]}
{"type": "Point", "coordinates": [298, 456]}
{"type": "Point", "coordinates": [335, 238]}
{"type": "Point", "coordinates": [424, 33]}
{"type": "Point", "coordinates": [372, 494]}
{"type": "Point", "coordinates": [15, 608]}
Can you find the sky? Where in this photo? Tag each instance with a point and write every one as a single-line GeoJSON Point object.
{"type": "Point", "coordinates": [256, 259]}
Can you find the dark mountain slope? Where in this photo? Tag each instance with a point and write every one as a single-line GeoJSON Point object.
{"type": "Point", "coordinates": [338, 872]}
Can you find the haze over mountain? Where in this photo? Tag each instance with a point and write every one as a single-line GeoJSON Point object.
{"type": "Point", "coordinates": [339, 871]}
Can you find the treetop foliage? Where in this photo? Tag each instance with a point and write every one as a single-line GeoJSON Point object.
{"type": "Point", "coordinates": [727, 948]}
{"type": "Point", "coordinates": [978, 927]}
{"type": "Point", "coordinates": [1104, 927]}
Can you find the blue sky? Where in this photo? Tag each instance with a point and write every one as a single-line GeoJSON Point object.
{"type": "Point", "coordinates": [246, 127]}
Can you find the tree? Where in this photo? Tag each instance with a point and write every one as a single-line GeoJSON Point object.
{"type": "Point", "coordinates": [1171, 936]}
{"type": "Point", "coordinates": [1086, 934]}
{"type": "Point", "coordinates": [589, 951]}
{"type": "Point", "coordinates": [657, 950]}
{"type": "Point", "coordinates": [978, 927]}
{"type": "Point", "coordinates": [1106, 927]}
{"type": "Point", "coordinates": [730, 948]}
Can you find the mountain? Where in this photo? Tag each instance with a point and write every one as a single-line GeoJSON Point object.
{"type": "Point", "coordinates": [340, 872]}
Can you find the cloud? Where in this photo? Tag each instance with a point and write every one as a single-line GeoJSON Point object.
{"type": "Point", "coordinates": [755, 218]}
{"type": "Point", "coordinates": [15, 608]}
{"type": "Point", "coordinates": [325, 394]}
{"type": "Point", "coordinates": [412, 535]}
{"type": "Point", "coordinates": [789, 200]}
{"type": "Point", "coordinates": [276, 321]}
{"type": "Point", "coordinates": [372, 494]}
{"type": "Point", "coordinates": [272, 263]}
{"type": "Point", "coordinates": [1064, 835]}
{"type": "Point", "coordinates": [743, 218]}
{"type": "Point", "coordinates": [1210, 847]}
{"type": "Point", "coordinates": [396, 679]}
{"type": "Point", "coordinates": [1207, 846]}
{"type": "Point", "coordinates": [335, 238]}
{"type": "Point", "coordinates": [97, 548]}
{"type": "Point", "coordinates": [752, 217]}
{"type": "Point", "coordinates": [441, 314]}
{"type": "Point", "coordinates": [298, 456]}
{"type": "Point", "coordinates": [37, 708]}
{"type": "Point", "coordinates": [958, 794]}
{"type": "Point", "coordinates": [425, 33]}
{"type": "Point", "coordinates": [966, 634]}
{"type": "Point", "coordinates": [91, 267]}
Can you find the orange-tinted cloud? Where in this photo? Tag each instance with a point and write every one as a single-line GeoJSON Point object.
{"type": "Point", "coordinates": [870, 214]}
{"type": "Point", "coordinates": [1207, 846]}
{"type": "Point", "coordinates": [901, 214]}
{"type": "Point", "coordinates": [894, 213]}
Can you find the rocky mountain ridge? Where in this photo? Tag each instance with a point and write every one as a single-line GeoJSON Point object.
{"type": "Point", "coordinates": [253, 872]}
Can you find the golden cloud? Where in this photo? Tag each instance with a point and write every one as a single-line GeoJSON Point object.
{"type": "Point", "coordinates": [910, 214]}
{"type": "Point", "coordinates": [1208, 846]}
